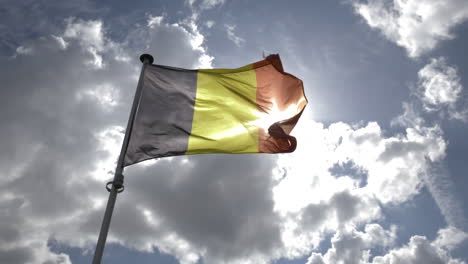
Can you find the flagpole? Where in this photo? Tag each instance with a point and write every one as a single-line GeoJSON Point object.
{"type": "Point", "coordinates": [116, 185]}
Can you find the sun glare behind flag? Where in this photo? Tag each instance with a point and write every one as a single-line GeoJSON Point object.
{"type": "Point", "coordinates": [251, 109]}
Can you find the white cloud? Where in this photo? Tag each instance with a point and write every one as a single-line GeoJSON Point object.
{"type": "Point", "coordinates": [450, 237]}
{"type": "Point", "coordinates": [206, 4]}
{"type": "Point", "coordinates": [160, 41]}
{"type": "Point", "coordinates": [63, 44]}
{"type": "Point", "coordinates": [24, 50]}
{"type": "Point", "coordinates": [91, 37]}
{"type": "Point", "coordinates": [105, 94]}
{"type": "Point", "coordinates": [351, 246]}
{"type": "Point", "coordinates": [232, 35]}
{"type": "Point", "coordinates": [90, 33]}
{"type": "Point", "coordinates": [154, 21]}
{"type": "Point", "coordinates": [210, 23]}
{"type": "Point", "coordinates": [440, 88]}
{"type": "Point", "coordinates": [388, 161]}
{"type": "Point", "coordinates": [421, 250]}
{"type": "Point", "coordinates": [416, 25]}
{"type": "Point", "coordinates": [385, 170]}
{"type": "Point", "coordinates": [437, 177]}
{"type": "Point", "coordinates": [303, 230]}
{"type": "Point", "coordinates": [440, 83]}
{"type": "Point", "coordinates": [443, 190]}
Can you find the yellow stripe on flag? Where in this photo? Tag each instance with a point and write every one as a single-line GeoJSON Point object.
{"type": "Point", "coordinates": [225, 112]}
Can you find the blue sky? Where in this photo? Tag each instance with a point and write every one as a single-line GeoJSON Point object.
{"type": "Point", "coordinates": [379, 175]}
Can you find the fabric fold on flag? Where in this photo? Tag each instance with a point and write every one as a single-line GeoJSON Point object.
{"type": "Point", "coordinates": [251, 109]}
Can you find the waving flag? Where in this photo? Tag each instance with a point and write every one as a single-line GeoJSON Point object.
{"type": "Point", "coordinates": [251, 109]}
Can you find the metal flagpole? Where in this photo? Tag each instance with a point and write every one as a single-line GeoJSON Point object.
{"type": "Point", "coordinates": [116, 186]}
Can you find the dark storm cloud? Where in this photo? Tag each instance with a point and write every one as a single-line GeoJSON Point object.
{"type": "Point", "coordinates": [217, 204]}
{"type": "Point", "coordinates": [51, 144]}
{"type": "Point", "coordinates": [220, 204]}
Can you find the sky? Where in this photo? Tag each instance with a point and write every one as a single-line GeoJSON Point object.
{"type": "Point", "coordinates": [379, 174]}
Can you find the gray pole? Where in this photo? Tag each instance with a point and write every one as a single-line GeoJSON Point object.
{"type": "Point", "coordinates": [117, 183]}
